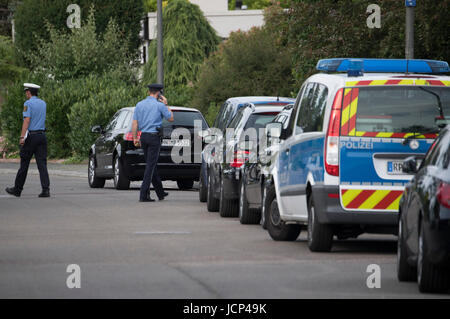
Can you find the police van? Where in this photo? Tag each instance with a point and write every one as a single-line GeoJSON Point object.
{"type": "Point", "coordinates": [340, 171]}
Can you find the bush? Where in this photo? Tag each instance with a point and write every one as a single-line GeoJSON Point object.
{"type": "Point", "coordinates": [248, 63]}
{"type": "Point", "coordinates": [31, 17]}
{"type": "Point", "coordinates": [107, 96]}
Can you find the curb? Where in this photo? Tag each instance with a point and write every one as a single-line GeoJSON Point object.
{"type": "Point", "coordinates": [50, 172]}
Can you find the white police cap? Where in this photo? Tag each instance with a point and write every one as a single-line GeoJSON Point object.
{"type": "Point", "coordinates": [31, 86]}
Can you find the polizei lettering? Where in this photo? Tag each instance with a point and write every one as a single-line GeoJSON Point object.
{"type": "Point", "coordinates": [357, 145]}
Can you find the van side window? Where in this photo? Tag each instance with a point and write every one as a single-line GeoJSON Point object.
{"type": "Point", "coordinates": [291, 124]}
{"type": "Point", "coordinates": [312, 109]}
{"type": "Point", "coordinates": [219, 119]}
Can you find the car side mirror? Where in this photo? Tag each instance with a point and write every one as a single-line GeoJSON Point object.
{"type": "Point", "coordinates": [410, 165]}
{"type": "Point", "coordinates": [274, 130]}
{"type": "Point", "coordinates": [97, 129]}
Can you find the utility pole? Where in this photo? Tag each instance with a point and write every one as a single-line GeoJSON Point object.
{"type": "Point", "coordinates": [160, 44]}
{"type": "Point", "coordinates": [410, 7]}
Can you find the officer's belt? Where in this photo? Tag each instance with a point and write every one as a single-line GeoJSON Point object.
{"type": "Point", "coordinates": [36, 132]}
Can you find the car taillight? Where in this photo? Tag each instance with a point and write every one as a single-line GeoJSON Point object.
{"type": "Point", "coordinates": [129, 136]}
{"type": "Point", "coordinates": [332, 139]}
{"type": "Point", "coordinates": [240, 158]}
{"type": "Point", "coordinates": [443, 195]}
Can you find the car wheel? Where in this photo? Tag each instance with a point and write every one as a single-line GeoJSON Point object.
{"type": "Point", "coordinates": [278, 230]}
{"type": "Point", "coordinates": [121, 181]}
{"type": "Point", "coordinates": [405, 272]}
{"type": "Point", "coordinates": [247, 216]}
{"type": "Point", "coordinates": [212, 203]}
{"type": "Point", "coordinates": [202, 191]}
{"type": "Point", "coordinates": [320, 236]}
{"type": "Point", "coordinates": [228, 207]}
{"type": "Point", "coordinates": [430, 277]}
{"type": "Point", "coordinates": [94, 180]}
{"type": "Point", "coordinates": [185, 184]}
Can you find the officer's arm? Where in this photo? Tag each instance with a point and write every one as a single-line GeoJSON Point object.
{"type": "Point", "coordinates": [25, 125]}
{"type": "Point", "coordinates": [134, 129]}
{"type": "Point", "coordinates": [171, 115]}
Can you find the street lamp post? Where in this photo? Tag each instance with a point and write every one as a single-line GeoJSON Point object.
{"type": "Point", "coordinates": [160, 44]}
{"type": "Point", "coordinates": [409, 50]}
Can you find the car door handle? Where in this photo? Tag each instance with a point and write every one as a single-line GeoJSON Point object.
{"type": "Point", "coordinates": [287, 151]}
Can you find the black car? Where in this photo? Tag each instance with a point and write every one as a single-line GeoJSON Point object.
{"type": "Point", "coordinates": [236, 151]}
{"type": "Point", "coordinates": [424, 220]}
{"type": "Point", "coordinates": [254, 172]}
{"type": "Point", "coordinates": [114, 156]}
{"type": "Point", "coordinates": [226, 114]}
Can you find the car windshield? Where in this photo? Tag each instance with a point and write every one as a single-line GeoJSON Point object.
{"type": "Point", "coordinates": [400, 109]}
{"type": "Point", "coordinates": [185, 119]}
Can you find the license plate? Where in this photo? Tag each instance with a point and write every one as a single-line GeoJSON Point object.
{"type": "Point", "coordinates": [395, 168]}
{"type": "Point", "coordinates": [177, 143]}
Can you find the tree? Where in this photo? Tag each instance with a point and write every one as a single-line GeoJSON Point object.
{"type": "Point", "coordinates": [80, 68]}
{"type": "Point", "coordinates": [314, 30]}
{"type": "Point", "coordinates": [248, 63]}
{"type": "Point", "coordinates": [80, 52]}
{"type": "Point", "coordinates": [188, 40]}
{"type": "Point", "coordinates": [32, 16]}
{"type": "Point", "coordinates": [151, 5]}
{"type": "Point", "coordinates": [10, 71]}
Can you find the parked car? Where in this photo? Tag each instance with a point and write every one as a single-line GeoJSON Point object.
{"type": "Point", "coordinates": [339, 173]}
{"type": "Point", "coordinates": [237, 150]}
{"type": "Point", "coordinates": [226, 114]}
{"type": "Point", "coordinates": [424, 220]}
{"type": "Point", "coordinates": [210, 192]}
{"type": "Point", "coordinates": [258, 167]}
{"type": "Point", "coordinates": [114, 156]}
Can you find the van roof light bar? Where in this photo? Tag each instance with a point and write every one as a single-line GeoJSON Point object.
{"type": "Point", "coordinates": [356, 67]}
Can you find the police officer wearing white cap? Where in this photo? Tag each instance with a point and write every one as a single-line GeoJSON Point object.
{"type": "Point", "coordinates": [148, 117]}
{"type": "Point", "coordinates": [33, 141]}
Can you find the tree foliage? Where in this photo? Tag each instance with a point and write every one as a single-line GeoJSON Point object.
{"type": "Point", "coordinates": [9, 68]}
{"type": "Point", "coordinates": [32, 16]}
{"type": "Point", "coordinates": [314, 30]}
{"type": "Point", "coordinates": [81, 52]}
{"type": "Point", "coordinates": [248, 63]}
{"type": "Point", "coordinates": [188, 40]}
{"type": "Point", "coordinates": [85, 78]}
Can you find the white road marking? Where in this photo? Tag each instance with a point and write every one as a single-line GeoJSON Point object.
{"type": "Point", "coordinates": [162, 233]}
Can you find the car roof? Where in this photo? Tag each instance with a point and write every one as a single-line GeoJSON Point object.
{"type": "Point", "coordinates": [268, 109]}
{"type": "Point", "coordinates": [259, 99]}
{"type": "Point", "coordinates": [173, 108]}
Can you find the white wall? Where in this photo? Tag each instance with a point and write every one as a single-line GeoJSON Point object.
{"type": "Point", "coordinates": [212, 5]}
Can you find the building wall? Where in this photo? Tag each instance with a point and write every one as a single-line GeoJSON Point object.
{"type": "Point", "coordinates": [212, 5]}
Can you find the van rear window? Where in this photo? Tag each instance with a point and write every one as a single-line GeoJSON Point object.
{"type": "Point", "coordinates": [394, 111]}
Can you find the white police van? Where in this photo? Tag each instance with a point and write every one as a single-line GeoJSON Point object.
{"type": "Point", "coordinates": [340, 171]}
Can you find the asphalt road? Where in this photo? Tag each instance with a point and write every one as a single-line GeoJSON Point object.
{"type": "Point", "coordinates": [169, 249]}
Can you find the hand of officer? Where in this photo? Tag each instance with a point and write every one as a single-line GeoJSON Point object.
{"type": "Point", "coordinates": [137, 142]}
{"type": "Point", "coordinates": [22, 141]}
{"type": "Point", "coordinates": [163, 99]}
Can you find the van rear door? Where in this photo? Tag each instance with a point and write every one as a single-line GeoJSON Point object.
{"type": "Point", "coordinates": [383, 123]}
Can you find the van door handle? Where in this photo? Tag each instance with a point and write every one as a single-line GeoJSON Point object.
{"type": "Point", "coordinates": [287, 151]}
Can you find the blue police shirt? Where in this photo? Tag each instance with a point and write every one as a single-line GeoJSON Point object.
{"type": "Point", "coordinates": [36, 110]}
{"type": "Point", "coordinates": [149, 113]}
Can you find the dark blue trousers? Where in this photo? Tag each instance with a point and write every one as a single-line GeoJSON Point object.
{"type": "Point", "coordinates": [34, 145]}
{"type": "Point", "coordinates": [151, 144]}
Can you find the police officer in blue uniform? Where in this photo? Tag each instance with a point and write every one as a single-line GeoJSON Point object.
{"type": "Point", "coordinates": [148, 117]}
{"type": "Point", "coordinates": [32, 142]}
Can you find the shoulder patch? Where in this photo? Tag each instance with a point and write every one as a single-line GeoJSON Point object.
{"type": "Point", "coordinates": [25, 108]}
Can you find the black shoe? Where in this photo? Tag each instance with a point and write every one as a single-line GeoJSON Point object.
{"type": "Point", "coordinates": [13, 191]}
{"type": "Point", "coordinates": [45, 193]}
{"type": "Point", "coordinates": [147, 200]}
{"type": "Point", "coordinates": [164, 196]}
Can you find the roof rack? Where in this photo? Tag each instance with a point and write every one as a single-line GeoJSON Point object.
{"type": "Point", "coordinates": [356, 67]}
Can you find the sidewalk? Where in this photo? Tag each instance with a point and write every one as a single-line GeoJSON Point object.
{"type": "Point", "coordinates": [55, 168]}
